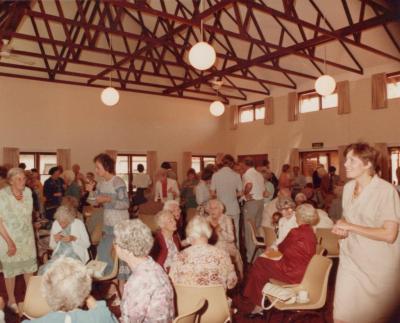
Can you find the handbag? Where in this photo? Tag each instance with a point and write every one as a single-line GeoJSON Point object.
{"type": "Point", "coordinates": [281, 294]}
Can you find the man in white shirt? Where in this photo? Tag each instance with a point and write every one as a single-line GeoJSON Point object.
{"type": "Point", "coordinates": [226, 185]}
{"type": "Point", "coordinates": [253, 183]}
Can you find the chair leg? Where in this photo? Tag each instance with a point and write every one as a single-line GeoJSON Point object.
{"type": "Point", "coordinates": [254, 253]}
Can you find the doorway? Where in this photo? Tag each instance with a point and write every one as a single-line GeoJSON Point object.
{"type": "Point", "coordinates": [309, 160]}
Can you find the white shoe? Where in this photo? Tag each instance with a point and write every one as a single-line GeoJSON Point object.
{"type": "Point", "coordinates": [13, 307]}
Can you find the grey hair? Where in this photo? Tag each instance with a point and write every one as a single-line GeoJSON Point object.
{"type": "Point", "coordinates": [307, 213]}
{"type": "Point", "coordinates": [220, 204]}
{"type": "Point", "coordinates": [66, 284]}
{"type": "Point", "coordinates": [300, 197]}
{"type": "Point", "coordinates": [160, 217]}
{"type": "Point", "coordinates": [14, 172]}
{"type": "Point", "coordinates": [198, 227]}
{"type": "Point", "coordinates": [134, 236]}
{"type": "Point", "coordinates": [69, 175]}
{"type": "Point", "coordinates": [169, 203]}
{"type": "Point", "coordinates": [65, 213]}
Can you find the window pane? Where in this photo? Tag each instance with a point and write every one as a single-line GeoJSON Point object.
{"type": "Point", "coordinates": [395, 162]}
{"type": "Point", "coordinates": [136, 160]}
{"type": "Point", "coordinates": [260, 113]}
{"type": "Point", "coordinates": [309, 104]}
{"type": "Point", "coordinates": [393, 90]}
{"type": "Point", "coordinates": [121, 166]}
{"type": "Point", "coordinates": [28, 159]}
{"type": "Point", "coordinates": [246, 116]}
{"type": "Point", "coordinates": [196, 164]}
{"type": "Point", "coordinates": [330, 101]}
{"type": "Point", "coordinates": [45, 163]}
{"type": "Point", "coordinates": [209, 160]}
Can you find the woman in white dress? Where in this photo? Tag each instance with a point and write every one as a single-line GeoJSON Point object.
{"type": "Point", "coordinates": [368, 279]}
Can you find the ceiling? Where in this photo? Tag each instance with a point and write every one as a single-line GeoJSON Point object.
{"type": "Point", "coordinates": [142, 45]}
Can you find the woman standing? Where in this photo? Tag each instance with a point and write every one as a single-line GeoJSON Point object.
{"type": "Point", "coordinates": [368, 280]}
{"type": "Point", "coordinates": [113, 195]}
{"type": "Point", "coordinates": [17, 246]}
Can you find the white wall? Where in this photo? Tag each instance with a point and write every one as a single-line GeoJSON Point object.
{"type": "Point", "coordinates": [45, 116]}
{"type": "Point", "coordinates": [41, 116]}
{"type": "Point", "coordinates": [325, 126]}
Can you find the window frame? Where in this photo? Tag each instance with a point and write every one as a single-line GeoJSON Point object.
{"type": "Point", "coordinates": [313, 94]}
{"type": "Point", "coordinates": [36, 159]}
{"type": "Point", "coordinates": [202, 164]}
{"type": "Point", "coordinates": [392, 78]}
{"type": "Point", "coordinates": [130, 170]}
{"type": "Point", "coordinates": [252, 107]}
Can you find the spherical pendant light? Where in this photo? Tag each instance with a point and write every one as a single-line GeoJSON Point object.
{"type": "Point", "coordinates": [110, 96]}
{"type": "Point", "coordinates": [202, 56]}
{"type": "Point", "coordinates": [217, 108]}
{"type": "Point", "coordinates": [325, 85]}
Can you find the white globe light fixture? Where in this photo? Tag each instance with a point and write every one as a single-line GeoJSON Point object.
{"type": "Point", "coordinates": [217, 108]}
{"type": "Point", "coordinates": [202, 56]}
{"type": "Point", "coordinates": [325, 85]}
{"type": "Point", "coordinates": [109, 96]}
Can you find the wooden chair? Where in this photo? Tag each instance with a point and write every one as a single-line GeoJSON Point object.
{"type": "Point", "coordinates": [269, 236]}
{"type": "Point", "coordinates": [150, 221]}
{"type": "Point", "coordinates": [192, 315]}
{"type": "Point", "coordinates": [258, 241]}
{"type": "Point", "coordinates": [110, 278]}
{"type": "Point", "coordinates": [329, 241]}
{"type": "Point", "coordinates": [216, 309]}
{"type": "Point", "coordinates": [315, 281]}
{"type": "Point", "coordinates": [34, 305]}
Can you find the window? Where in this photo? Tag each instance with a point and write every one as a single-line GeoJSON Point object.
{"type": "Point", "coordinates": [200, 162]}
{"type": "Point", "coordinates": [393, 85]}
{"type": "Point", "coordinates": [41, 161]}
{"type": "Point", "coordinates": [312, 101]}
{"type": "Point", "coordinates": [249, 113]}
{"type": "Point", "coordinates": [126, 166]}
{"type": "Point", "coordinates": [394, 163]}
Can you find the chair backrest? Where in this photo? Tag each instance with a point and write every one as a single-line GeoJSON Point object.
{"type": "Point", "coordinates": [216, 309]}
{"type": "Point", "coordinates": [113, 274]}
{"type": "Point", "coordinates": [150, 221]}
{"type": "Point", "coordinates": [315, 279]}
{"type": "Point", "coordinates": [253, 230]}
{"type": "Point", "coordinates": [192, 315]}
{"type": "Point", "coordinates": [34, 305]}
{"type": "Point", "coordinates": [269, 236]}
{"type": "Point", "coordinates": [329, 241]}
{"type": "Point", "coordinates": [97, 234]}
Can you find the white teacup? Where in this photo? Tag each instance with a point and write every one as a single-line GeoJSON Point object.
{"type": "Point", "coordinates": [302, 296]}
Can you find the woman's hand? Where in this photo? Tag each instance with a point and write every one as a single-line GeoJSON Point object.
{"type": "Point", "coordinates": [103, 199]}
{"type": "Point", "coordinates": [69, 238]}
{"type": "Point", "coordinates": [89, 186]}
{"type": "Point", "coordinates": [341, 228]}
{"type": "Point", "coordinates": [58, 237]}
{"type": "Point", "coordinates": [90, 302]}
{"type": "Point", "coordinates": [12, 248]}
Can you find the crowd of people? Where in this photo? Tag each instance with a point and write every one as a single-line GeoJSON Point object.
{"type": "Point", "coordinates": [203, 226]}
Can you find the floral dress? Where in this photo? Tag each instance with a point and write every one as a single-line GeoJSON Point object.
{"type": "Point", "coordinates": [17, 219]}
{"type": "Point", "coordinates": [203, 265]}
{"type": "Point", "coordinates": [148, 295]}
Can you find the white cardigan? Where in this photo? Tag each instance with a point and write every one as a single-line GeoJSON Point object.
{"type": "Point", "coordinates": [80, 245]}
{"type": "Point", "coordinates": [171, 185]}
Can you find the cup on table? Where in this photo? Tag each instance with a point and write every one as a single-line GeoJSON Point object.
{"type": "Point", "coordinates": [302, 296]}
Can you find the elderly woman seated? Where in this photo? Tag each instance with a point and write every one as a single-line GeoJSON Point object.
{"type": "Point", "coordinates": [285, 206]}
{"type": "Point", "coordinates": [173, 207]}
{"type": "Point", "coordinates": [66, 287]}
{"type": "Point", "coordinates": [148, 294]}
{"type": "Point", "coordinates": [297, 250]}
{"type": "Point", "coordinates": [202, 264]}
{"type": "Point", "coordinates": [167, 243]}
{"type": "Point", "coordinates": [68, 237]}
{"type": "Point", "coordinates": [225, 234]}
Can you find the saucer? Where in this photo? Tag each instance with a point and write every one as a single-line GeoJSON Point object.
{"type": "Point", "coordinates": [302, 301]}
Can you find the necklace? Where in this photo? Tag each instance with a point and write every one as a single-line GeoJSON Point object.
{"type": "Point", "coordinates": [18, 196]}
